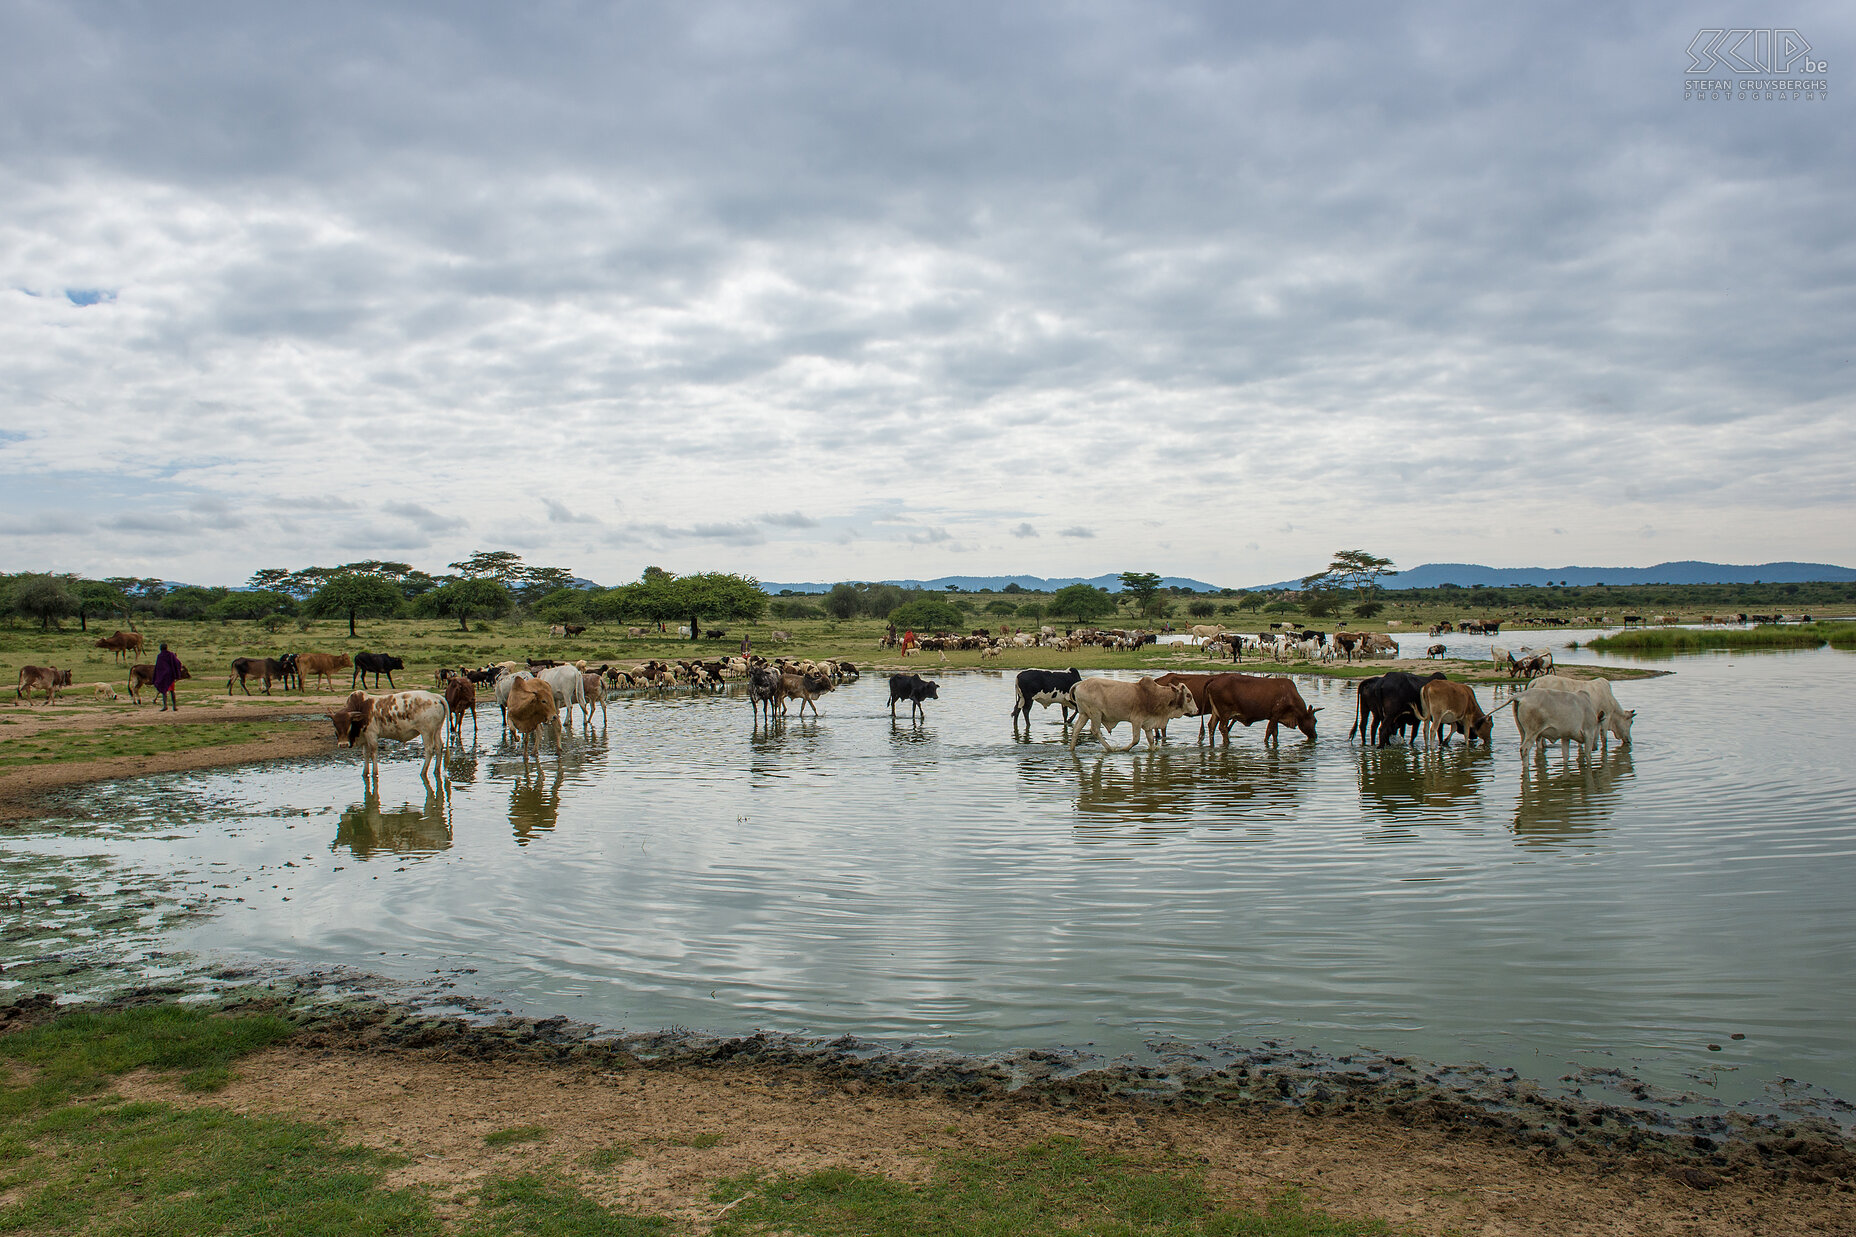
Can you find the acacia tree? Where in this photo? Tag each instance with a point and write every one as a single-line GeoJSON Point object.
{"type": "Point", "coordinates": [502, 565]}
{"type": "Point", "coordinates": [354, 595]}
{"type": "Point", "coordinates": [1354, 569]}
{"type": "Point", "coordinates": [1142, 586]}
{"type": "Point", "coordinates": [46, 598]}
{"type": "Point", "coordinates": [1082, 602]}
{"type": "Point", "coordinates": [460, 599]}
{"type": "Point", "coordinates": [95, 597]}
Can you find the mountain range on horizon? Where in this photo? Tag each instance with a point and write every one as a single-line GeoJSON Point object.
{"type": "Point", "coordinates": [1425, 575]}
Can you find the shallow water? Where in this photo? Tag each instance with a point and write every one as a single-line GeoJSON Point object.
{"type": "Point", "coordinates": [947, 884]}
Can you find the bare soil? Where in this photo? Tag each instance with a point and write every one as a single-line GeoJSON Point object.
{"type": "Point", "coordinates": [437, 1109]}
{"type": "Point", "coordinates": [23, 788]}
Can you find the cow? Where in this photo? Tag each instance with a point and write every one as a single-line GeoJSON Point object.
{"type": "Point", "coordinates": [1144, 704]}
{"type": "Point", "coordinates": [292, 675]}
{"type": "Point", "coordinates": [763, 690]}
{"type": "Point", "coordinates": [1616, 717]}
{"type": "Point", "coordinates": [504, 685]}
{"type": "Point", "coordinates": [1441, 703]}
{"type": "Point", "coordinates": [400, 716]}
{"type": "Point", "coordinates": [265, 668]}
{"type": "Point", "coordinates": [914, 689]}
{"type": "Point", "coordinates": [122, 644]}
{"type": "Point", "coordinates": [1200, 633]}
{"type": "Point", "coordinates": [1543, 715]}
{"type": "Point", "coordinates": [144, 676]}
{"type": "Point", "coordinates": [532, 706]}
{"type": "Point", "coordinates": [1195, 683]}
{"type": "Point", "coordinates": [568, 684]}
{"type": "Point", "coordinates": [1250, 698]}
{"type": "Point", "coordinates": [375, 664]}
{"type": "Point", "coordinates": [1046, 687]}
{"type": "Point", "coordinates": [47, 679]}
{"type": "Point", "coordinates": [805, 687]}
{"type": "Point", "coordinates": [460, 698]}
{"type": "Point", "coordinates": [322, 666]}
{"type": "Point", "coordinates": [1378, 644]}
{"type": "Point", "coordinates": [1436, 650]}
{"type": "Point", "coordinates": [592, 692]}
{"type": "Point", "coordinates": [1348, 642]}
{"type": "Point", "coordinates": [1387, 703]}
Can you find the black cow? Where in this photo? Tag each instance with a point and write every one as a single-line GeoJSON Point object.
{"type": "Point", "coordinates": [1046, 687]}
{"type": "Point", "coordinates": [1388, 703]}
{"type": "Point", "coordinates": [375, 664]}
{"type": "Point", "coordinates": [763, 690]}
{"type": "Point", "coordinates": [485, 677]}
{"type": "Point", "coordinates": [292, 676]}
{"type": "Point", "coordinates": [914, 689]}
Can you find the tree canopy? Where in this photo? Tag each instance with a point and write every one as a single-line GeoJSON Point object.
{"type": "Point", "coordinates": [461, 598]}
{"type": "Point", "coordinates": [1354, 569]}
{"type": "Point", "coordinates": [928, 614]}
{"type": "Point", "coordinates": [1083, 602]}
{"type": "Point", "coordinates": [356, 596]}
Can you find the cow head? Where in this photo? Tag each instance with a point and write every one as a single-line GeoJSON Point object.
{"type": "Point", "coordinates": [1482, 728]}
{"type": "Point", "coordinates": [349, 723]}
{"type": "Point", "coordinates": [64, 678]}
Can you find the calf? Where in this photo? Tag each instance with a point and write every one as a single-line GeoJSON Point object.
{"type": "Point", "coordinates": [461, 697]}
{"type": "Point", "coordinates": [375, 664]}
{"type": "Point", "coordinates": [144, 676]}
{"type": "Point", "coordinates": [763, 691]}
{"type": "Point", "coordinates": [400, 716]}
{"type": "Point", "coordinates": [47, 679]}
{"type": "Point", "coordinates": [1046, 687]}
{"type": "Point", "coordinates": [1445, 703]}
{"type": "Point", "coordinates": [592, 692]}
{"type": "Point", "coordinates": [914, 689]}
{"type": "Point", "coordinates": [1436, 650]}
{"type": "Point", "coordinates": [806, 688]}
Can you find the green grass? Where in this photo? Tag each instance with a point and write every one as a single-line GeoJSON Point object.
{"type": "Point", "coordinates": [1054, 1187]}
{"type": "Point", "coordinates": [514, 1134]}
{"type": "Point", "coordinates": [1667, 641]}
{"type": "Point", "coordinates": [77, 1054]}
{"type": "Point", "coordinates": [49, 746]}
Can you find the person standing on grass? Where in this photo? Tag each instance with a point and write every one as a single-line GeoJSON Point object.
{"type": "Point", "coordinates": [167, 673]}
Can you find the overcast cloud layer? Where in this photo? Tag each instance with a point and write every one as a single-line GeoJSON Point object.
{"type": "Point", "coordinates": [860, 291]}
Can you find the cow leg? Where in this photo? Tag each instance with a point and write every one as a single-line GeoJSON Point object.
{"type": "Point", "coordinates": [389, 679]}
{"type": "Point", "coordinates": [1269, 732]}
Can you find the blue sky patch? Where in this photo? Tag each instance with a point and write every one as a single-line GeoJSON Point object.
{"type": "Point", "coordinates": [89, 296]}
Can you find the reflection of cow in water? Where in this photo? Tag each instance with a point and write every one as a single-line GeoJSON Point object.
{"type": "Point", "coordinates": [534, 803]}
{"type": "Point", "coordinates": [1565, 803]}
{"type": "Point", "coordinates": [366, 830]}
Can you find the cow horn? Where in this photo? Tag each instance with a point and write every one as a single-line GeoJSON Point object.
{"type": "Point", "coordinates": [1318, 708]}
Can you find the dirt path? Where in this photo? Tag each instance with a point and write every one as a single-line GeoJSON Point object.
{"type": "Point", "coordinates": [24, 787]}
{"type": "Point", "coordinates": [667, 1134]}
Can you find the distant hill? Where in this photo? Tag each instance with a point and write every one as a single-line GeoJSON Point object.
{"type": "Point", "coordinates": [973, 584]}
{"type": "Point", "coordinates": [1467, 575]}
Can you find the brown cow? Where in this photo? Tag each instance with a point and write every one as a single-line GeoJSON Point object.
{"type": "Point", "coordinates": [47, 679]}
{"type": "Point", "coordinates": [531, 706]}
{"type": "Point", "coordinates": [1195, 683]}
{"type": "Point", "coordinates": [1453, 704]}
{"type": "Point", "coordinates": [461, 697]}
{"type": "Point", "coordinates": [144, 676]}
{"type": "Point", "coordinates": [1249, 698]}
{"type": "Point", "coordinates": [122, 643]}
{"type": "Point", "coordinates": [323, 666]}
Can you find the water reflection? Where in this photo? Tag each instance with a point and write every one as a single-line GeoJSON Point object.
{"type": "Point", "coordinates": [1145, 787]}
{"type": "Point", "coordinates": [367, 830]}
{"type": "Point", "coordinates": [534, 802]}
{"type": "Point", "coordinates": [1569, 799]}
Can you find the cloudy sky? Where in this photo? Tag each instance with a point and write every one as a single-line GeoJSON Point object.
{"type": "Point", "coordinates": [828, 291]}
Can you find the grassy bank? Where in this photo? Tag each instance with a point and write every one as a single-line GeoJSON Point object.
{"type": "Point", "coordinates": [1654, 641]}
{"type": "Point", "coordinates": [77, 1155]}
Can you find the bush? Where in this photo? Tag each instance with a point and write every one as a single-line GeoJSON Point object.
{"type": "Point", "coordinates": [1368, 609]}
{"type": "Point", "coordinates": [1202, 609]}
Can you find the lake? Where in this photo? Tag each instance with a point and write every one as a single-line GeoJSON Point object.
{"type": "Point", "coordinates": [947, 884]}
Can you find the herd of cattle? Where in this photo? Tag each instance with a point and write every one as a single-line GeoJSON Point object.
{"type": "Point", "coordinates": [532, 696]}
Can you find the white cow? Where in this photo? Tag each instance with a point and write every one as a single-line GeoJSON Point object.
{"type": "Point", "coordinates": [568, 684]}
{"type": "Point", "coordinates": [1144, 704]}
{"type": "Point", "coordinates": [1616, 717]}
{"type": "Point", "coordinates": [1545, 716]}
